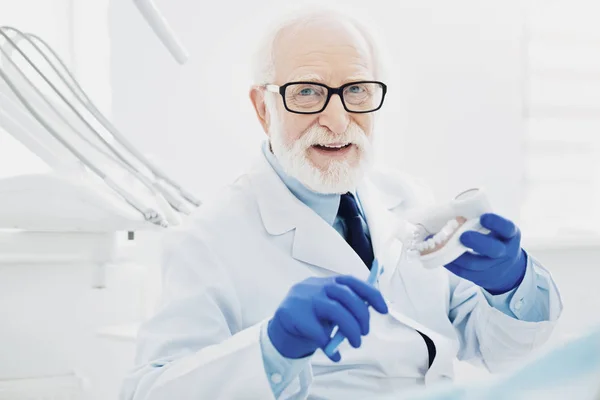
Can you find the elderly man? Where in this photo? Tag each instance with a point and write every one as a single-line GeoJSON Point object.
{"type": "Point", "coordinates": [258, 280]}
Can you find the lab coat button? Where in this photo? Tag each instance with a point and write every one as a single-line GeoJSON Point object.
{"type": "Point", "coordinates": [519, 304]}
{"type": "Point", "coordinates": [276, 378]}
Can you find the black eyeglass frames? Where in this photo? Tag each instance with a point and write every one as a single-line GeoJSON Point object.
{"type": "Point", "coordinates": [311, 97]}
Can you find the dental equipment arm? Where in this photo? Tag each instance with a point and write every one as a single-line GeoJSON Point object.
{"type": "Point", "coordinates": [82, 98]}
{"type": "Point", "coordinates": [29, 115]}
{"type": "Point", "coordinates": [162, 29]}
{"type": "Point", "coordinates": [149, 214]}
{"type": "Point", "coordinates": [158, 173]}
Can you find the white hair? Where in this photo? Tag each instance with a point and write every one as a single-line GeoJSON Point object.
{"type": "Point", "coordinates": [264, 58]}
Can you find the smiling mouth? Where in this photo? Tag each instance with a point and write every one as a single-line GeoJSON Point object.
{"type": "Point", "coordinates": [332, 147]}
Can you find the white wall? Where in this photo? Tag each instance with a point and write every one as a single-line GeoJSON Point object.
{"type": "Point", "coordinates": [452, 115]}
{"type": "Point", "coordinates": [458, 83]}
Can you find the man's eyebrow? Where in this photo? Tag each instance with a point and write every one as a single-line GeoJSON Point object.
{"type": "Point", "coordinates": [357, 78]}
{"type": "Point", "coordinates": [319, 79]}
{"type": "Point", "coordinates": [309, 78]}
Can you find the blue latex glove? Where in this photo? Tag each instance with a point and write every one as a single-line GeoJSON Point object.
{"type": "Point", "coordinates": [305, 319]}
{"type": "Point", "coordinates": [500, 264]}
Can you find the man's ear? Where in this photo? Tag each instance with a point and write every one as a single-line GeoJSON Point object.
{"type": "Point", "coordinates": [257, 97]}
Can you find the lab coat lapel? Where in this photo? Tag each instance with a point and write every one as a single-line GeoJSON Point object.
{"type": "Point", "coordinates": [318, 243]}
{"type": "Point", "coordinates": [383, 225]}
{"type": "Point", "coordinates": [314, 242]}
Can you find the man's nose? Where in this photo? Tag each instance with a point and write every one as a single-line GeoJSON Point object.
{"type": "Point", "coordinates": [334, 116]}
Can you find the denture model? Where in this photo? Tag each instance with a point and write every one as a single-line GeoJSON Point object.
{"type": "Point", "coordinates": [438, 229]}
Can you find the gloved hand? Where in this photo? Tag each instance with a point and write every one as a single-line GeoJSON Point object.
{"type": "Point", "coordinates": [500, 264]}
{"type": "Point", "coordinates": [305, 319]}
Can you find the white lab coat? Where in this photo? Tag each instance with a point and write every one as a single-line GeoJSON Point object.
{"type": "Point", "coordinates": [228, 269]}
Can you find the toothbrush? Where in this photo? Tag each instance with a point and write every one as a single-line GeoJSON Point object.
{"type": "Point", "coordinates": [339, 337]}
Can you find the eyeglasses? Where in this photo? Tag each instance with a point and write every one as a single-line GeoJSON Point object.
{"type": "Point", "coordinates": [312, 97]}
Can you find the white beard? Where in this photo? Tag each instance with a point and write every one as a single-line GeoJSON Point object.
{"type": "Point", "coordinates": [339, 177]}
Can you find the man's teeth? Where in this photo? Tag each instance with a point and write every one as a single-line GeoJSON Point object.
{"type": "Point", "coordinates": [440, 237]}
{"type": "Point", "coordinates": [334, 147]}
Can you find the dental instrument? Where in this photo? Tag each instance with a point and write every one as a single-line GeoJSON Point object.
{"type": "Point", "coordinates": [149, 213]}
{"type": "Point", "coordinates": [162, 29]}
{"type": "Point", "coordinates": [160, 177]}
{"type": "Point", "coordinates": [436, 239]}
{"type": "Point", "coordinates": [167, 195]}
{"type": "Point", "coordinates": [82, 96]}
{"type": "Point", "coordinates": [339, 337]}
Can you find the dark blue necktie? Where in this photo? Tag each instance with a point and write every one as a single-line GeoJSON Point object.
{"type": "Point", "coordinates": [358, 240]}
{"type": "Point", "coordinates": [355, 233]}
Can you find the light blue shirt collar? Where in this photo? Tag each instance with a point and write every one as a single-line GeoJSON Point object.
{"type": "Point", "coordinates": [325, 205]}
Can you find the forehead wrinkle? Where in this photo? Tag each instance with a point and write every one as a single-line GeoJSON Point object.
{"type": "Point", "coordinates": [322, 55]}
{"type": "Point", "coordinates": [317, 67]}
{"type": "Point", "coordinates": [309, 76]}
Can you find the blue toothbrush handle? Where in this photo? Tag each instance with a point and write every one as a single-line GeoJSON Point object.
{"type": "Point", "coordinates": [339, 337]}
{"type": "Point", "coordinates": [334, 343]}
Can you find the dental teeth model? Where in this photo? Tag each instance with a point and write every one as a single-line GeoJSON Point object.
{"type": "Point", "coordinates": [437, 237]}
